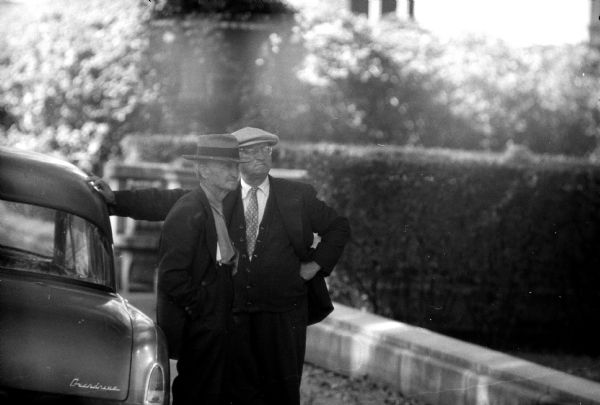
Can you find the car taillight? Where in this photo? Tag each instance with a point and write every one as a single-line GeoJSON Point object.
{"type": "Point", "coordinates": [155, 387]}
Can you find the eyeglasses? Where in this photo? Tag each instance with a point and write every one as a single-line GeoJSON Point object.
{"type": "Point", "coordinates": [264, 150]}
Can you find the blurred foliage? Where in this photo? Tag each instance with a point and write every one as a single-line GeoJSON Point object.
{"type": "Point", "coordinates": [78, 76]}
{"type": "Point", "coordinates": [545, 98]}
{"type": "Point", "coordinates": [399, 84]}
{"type": "Point", "coordinates": [75, 76]}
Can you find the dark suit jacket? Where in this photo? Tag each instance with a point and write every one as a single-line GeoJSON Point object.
{"type": "Point", "coordinates": [190, 287]}
{"type": "Point", "coordinates": [302, 212]}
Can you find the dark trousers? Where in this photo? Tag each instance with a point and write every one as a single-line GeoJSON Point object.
{"type": "Point", "coordinates": [202, 368]}
{"type": "Point", "coordinates": [268, 356]}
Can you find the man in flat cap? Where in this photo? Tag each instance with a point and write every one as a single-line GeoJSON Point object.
{"type": "Point", "coordinates": [279, 287]}
{"type": "Point", "coordinates": [195, 286]}
{"type": "Point", "coordinates": [272, 222]}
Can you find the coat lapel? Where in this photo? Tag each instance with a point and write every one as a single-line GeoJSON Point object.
{"type": "Point", "coordinates": [230, 202]}
{"type": "Point", "coordinates": [211, 231]}
{"type": "Point", "coordinates": [289, 205]}
{"type": "Point", "coordinates": [287, 202]}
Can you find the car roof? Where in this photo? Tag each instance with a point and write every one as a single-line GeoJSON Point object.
{"type": "Point", "coordinates": [39, 179]}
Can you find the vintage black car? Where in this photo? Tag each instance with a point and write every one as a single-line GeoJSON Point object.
{"type": "Point", "coordinates": [66, 335]}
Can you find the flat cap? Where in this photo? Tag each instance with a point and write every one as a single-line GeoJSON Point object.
{"type": "Point", "coordinates": [222, 147]}
{"type": "Point", "coordinates": [250, 136]}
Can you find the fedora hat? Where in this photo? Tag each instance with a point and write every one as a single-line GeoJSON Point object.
{"type": "Point", "coordinates": [248, 136]}
{"type": "Point", "coordinates": [217, 147]}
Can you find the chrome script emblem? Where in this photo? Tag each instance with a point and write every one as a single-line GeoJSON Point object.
{"type": "Point", "coordinates": [75, 383]}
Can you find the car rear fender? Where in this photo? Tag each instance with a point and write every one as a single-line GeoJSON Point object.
{"type": "Point", "coordinates": [149, 352]}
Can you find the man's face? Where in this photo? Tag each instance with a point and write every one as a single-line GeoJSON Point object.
{"type": "Point", "coordinates": [260, 160]}
{"type": "Point", "coordinates": [220, 175]}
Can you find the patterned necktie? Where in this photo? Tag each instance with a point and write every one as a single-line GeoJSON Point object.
{"type": "Point", "coordinates": [251, 220]}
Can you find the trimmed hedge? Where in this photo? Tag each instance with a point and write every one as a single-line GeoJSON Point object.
{"type": "Point", "coordinates": [499, 249]}
{"type": "Point", "coordinates": [157, 147]}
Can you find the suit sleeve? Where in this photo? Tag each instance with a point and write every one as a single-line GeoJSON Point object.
{"type": "Point", "coordinates": [150, 204]}
{"type": "Point", "coordinates": [183, 229]}
{"type": "Point", "coordinates": [333, 229]}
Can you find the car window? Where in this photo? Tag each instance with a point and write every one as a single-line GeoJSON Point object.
{"type": "Point", "coordinates": [48, 241]}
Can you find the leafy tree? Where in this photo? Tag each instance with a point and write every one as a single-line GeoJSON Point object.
{"type": "Point", "coordinates": [540, 97]}
{"type": "Point", "coordinates": [75, 76]}
{"type": "Point", "coordinates": [74, 79]}
{"type": "Point", "coordinates": [401, 85]}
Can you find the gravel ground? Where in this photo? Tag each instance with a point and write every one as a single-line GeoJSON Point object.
{"type": "Point", "coordinates": [579, 365]}
{"type": "Point", "coordinates": [322, 387]}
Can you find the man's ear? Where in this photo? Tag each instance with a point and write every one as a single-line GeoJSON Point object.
{"type": "Point", "coordinates": [201, 170]}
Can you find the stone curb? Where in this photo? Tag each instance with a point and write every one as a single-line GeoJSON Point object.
{"type": "Point", "coordinates": [434, 368]}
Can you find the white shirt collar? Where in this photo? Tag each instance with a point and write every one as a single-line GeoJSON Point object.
{"type": "Point", "coordinates": [264, 187]}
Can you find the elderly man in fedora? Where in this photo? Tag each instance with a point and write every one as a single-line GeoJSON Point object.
{"type": "Point", "coordinates": [195, 285]}
{"type": "Point", "coordinates": [279, 287]}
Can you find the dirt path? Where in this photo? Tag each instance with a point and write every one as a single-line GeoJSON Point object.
{"type": "Point", "coordinates": [321, 387]}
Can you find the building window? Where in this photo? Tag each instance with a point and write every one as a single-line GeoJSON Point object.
{"type": "Point", "coordinates": [362, 6]}
{"type": "Point", "coordinates": [359, 6]}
